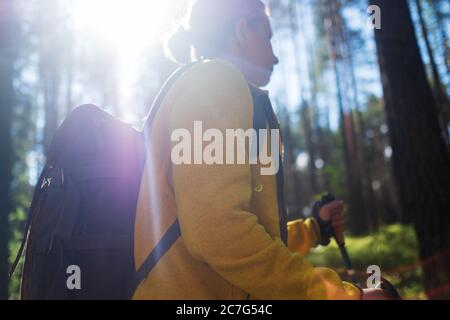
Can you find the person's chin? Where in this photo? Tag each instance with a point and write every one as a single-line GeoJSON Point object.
{"type": "Point", "coordinates": [265, 79]}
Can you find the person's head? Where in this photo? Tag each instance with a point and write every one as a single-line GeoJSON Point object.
{"type": "Point", "coordinates": [235, 30]}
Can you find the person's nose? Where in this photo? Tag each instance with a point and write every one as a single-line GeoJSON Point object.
{"type": "Point", "coordinates": [275, 60]}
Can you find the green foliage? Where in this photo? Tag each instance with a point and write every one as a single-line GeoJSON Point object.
{"type": "Point", "coordinates": [16, 218]}
{"type": "Point", "coordinates": [393, 249]}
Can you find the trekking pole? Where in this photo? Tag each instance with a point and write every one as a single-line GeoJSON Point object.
{"type": "Point", "coordinates": [346, 258]}
{"type": "Point", "coordinates": [340, 240]}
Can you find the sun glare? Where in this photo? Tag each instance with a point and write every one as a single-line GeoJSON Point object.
{"type": "Point", "coordinates": [128, 26]}
{"type": "Point", "coordinates": [122, 21]}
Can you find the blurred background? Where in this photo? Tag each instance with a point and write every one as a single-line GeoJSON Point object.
{"type": "Point", "coordinates": [354, 123]}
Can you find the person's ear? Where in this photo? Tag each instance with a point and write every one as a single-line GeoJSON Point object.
{"type": "Point", "coordinates": [241, 32]}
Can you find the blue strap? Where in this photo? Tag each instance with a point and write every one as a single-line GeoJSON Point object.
{"type": "Point", "coordinates": [174, 232]}
{"type": "Point", "coordinates": [161, 248]}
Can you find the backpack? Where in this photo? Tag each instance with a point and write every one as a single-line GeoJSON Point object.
{"type": "Point", "coordinates": [82, 214]}
{"type": "Point", "coordinates": [79, 231]}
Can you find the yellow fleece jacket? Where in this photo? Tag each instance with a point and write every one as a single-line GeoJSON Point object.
{"type": "Point", "coordinates": [230, 247]}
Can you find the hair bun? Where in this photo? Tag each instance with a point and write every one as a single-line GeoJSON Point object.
{"type": "Point", "coordinates": [178, 46]}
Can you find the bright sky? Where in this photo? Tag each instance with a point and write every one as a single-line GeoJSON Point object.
{"type": "Point", "coordinates": [129, 26]}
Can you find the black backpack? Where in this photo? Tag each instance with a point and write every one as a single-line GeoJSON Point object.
{"type": "Point", "coordinates": [80, 228]}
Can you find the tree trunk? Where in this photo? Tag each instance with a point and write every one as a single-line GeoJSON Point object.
{"type": "Point", "coordinates": [339, 60]}
{"type": "Point", "coordinates": [421, 160]}
{"type": "Point", "coordinates": [441, 25]}
{"type": "Point", "coordinates": [323, 149]}
{"type": "Point", "coordinates": [7, 100]}
{"type": "Point", "coordinates": [361, 161]}
{"type": "Point", "coordinates": [291, 174]}
{"type": "Point", "coordinates": [305, 115]}
{"type": "Point", "coordinates": [305, 111]}
{"type": "Point", "coordinates": [439, 93]}
{"type": "Point", "coordinates": [50, 67]}
{"type": "Point", "coordinates": [367, 178]}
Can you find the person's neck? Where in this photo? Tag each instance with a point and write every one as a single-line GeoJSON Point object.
{"type": "Point", "coordinates": [239, 63]}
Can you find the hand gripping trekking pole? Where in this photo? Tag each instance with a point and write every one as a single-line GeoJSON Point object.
{"type": "Point", "coordinates": [340, 240]}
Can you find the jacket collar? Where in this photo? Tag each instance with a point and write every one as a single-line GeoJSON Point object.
{"type": "Point", "coordinates": [258, 91]}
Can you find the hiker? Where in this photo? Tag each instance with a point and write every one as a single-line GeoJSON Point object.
{"type": "Point", "coordinates": [235, 242]}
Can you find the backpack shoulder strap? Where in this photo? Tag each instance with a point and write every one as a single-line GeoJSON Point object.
{"type": "Point", "coordinates": [263, 113]}
{"type": "Point", "coordinates": [163, 92]}
{"type": "Point", "coordinates": [158, 252]}
{"type": "Point", "coordinates": [174, 231]}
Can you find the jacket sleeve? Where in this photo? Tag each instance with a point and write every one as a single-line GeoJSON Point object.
{"type": "Point", "coordinates": [213, 200]}
{"type": "Point", "coordinates": [303, 235]}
